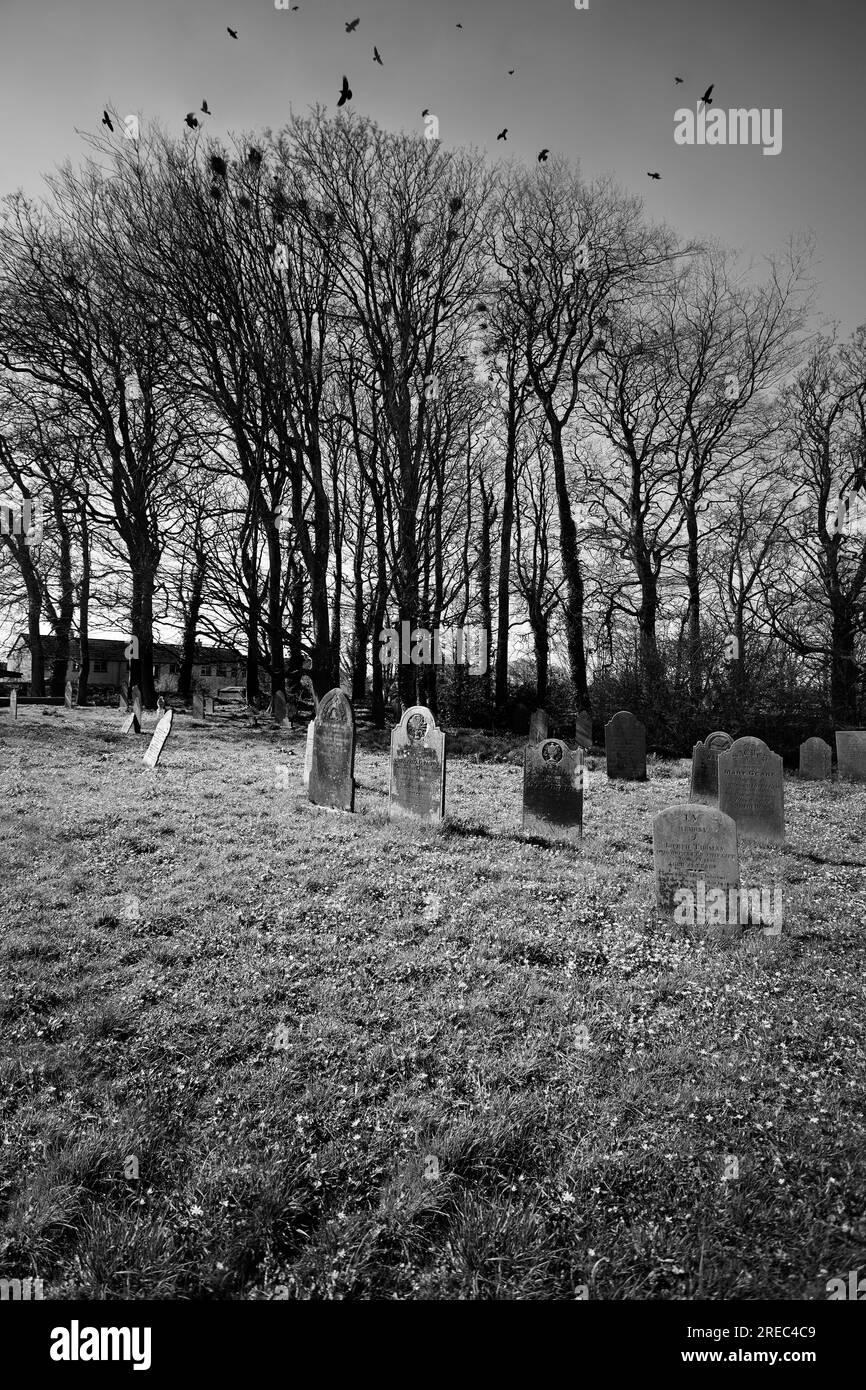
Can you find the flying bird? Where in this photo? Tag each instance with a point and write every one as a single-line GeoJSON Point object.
{"type": "Point", "coordinates": [376, 57]}
{"type": "Point", "coordinates": [106, 120]}
{"type": "Point", "coordinates": [425, 112]}
{"type": "Point", "coordinates": [503, 134]}
{"type": "Point", "coordinates": [219, 166]}
{"type": "Point", "coordinates": [653, 176]}
{"type": "Point", "coordinates": [707, 98]}
{"type": "Point", "coordinates": [345, 92]}
{"type": "Point", "coordinates": [191, 120]}
{"type": "Point", "coordinates": [678, 81]}
{"type": "Point", "coordinates": [511, 72]}
{"type": "Point", "coordinates": [458, 26]}
{"type": "Point", "coordinates": [542, 156]}
{"type": "Point", "coordinates": [205, 108]}
{"type": "Point", "coordinates": [233, 32]}
{"type": "Point", "coordinates": [350, 28]}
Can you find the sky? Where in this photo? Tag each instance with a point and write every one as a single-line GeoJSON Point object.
{"type": "Point", "coordinates": [596, 85]}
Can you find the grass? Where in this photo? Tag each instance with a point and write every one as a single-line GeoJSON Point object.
{"type": "Point", "coordinates": [284, 1014]}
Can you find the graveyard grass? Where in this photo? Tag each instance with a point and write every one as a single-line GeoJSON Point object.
{"type": "Point", "coordinates": [296, 1022]}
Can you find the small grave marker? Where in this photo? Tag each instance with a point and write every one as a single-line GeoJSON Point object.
{"type": "Point", "coordinates": [705, 768]}
{"type": "Point", "coordinates": [816, 760]}
{"type": "Point", "coordinates": [417, 783]}
{"type": "Point", "coordinates": [131, 724]}
{"type": "Point", "coordinates": [13, 703]}
{"type": "Point", "coordinates": [160, 734]}
{"type": "Point", "coordinates": [552, 791]}
{"type": "Point", "coordinates": [751, 790]}
{"type": "Point", "coordinates": [625, 747]}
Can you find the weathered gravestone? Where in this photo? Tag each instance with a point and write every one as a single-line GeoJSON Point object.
{"type": "Point", "coordinates": [705, 768]}
{"type": "Point", "coordinates": [538, 726]}
{"type": "Point", "coordinates": [280, 707]}
{"type": "Point", "coordinates": [583, 729]}
{"type": "Point", "coordinates": [695, 853]}
{"type": "Point", "coordinates": [308, 753]}
{"type": "Point", "coordinates": [751, 790]}
{"type": "Point", "coordinates": [160, 734]}
{"type": "Point", "coordinates": [13, 703]}
{"type": "Point", "coordinates": [816, 760]}
{"type": "Point", "coordinates": [197, 705]}
{"type": "Point", "coordinates": [552, 791]}
{"type": "Point", "coordinates": [332, 771]}
{"type": "Point", "coordinates": [417, 787]}
{"type": "Point", "coordinates": [67, 695]}
{"type": "Point", "coordinates": [625, 747]}
{"type": "Point", "coordinates": [851, 755]}
{"type": "Point", "coordinates": [131, 724]}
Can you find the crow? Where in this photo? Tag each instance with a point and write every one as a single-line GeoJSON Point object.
{"type": "Point", "coordinates": [191, 120]}
{"type": "Point", "coordinates": [425, 112]}
{"type": "Point", "coordinates": [205, 108]}
{"type": "Point", "coordinates": [350, 28]}
{"type": "Point", "coordinates": [254, 156]}
{"type": "Point", "coordinates": [503, 134]}
{"type": "Point", "coordinates": [106, 120]}
{"type": "Point", "coordinates": [458, 26]}
{"type": "Point", "coordinates": [233, 32]}
{"type": "Point", "coordinates": [653, 176]}
{"type": "Point", "coordinates": [707, 98]}
{"type": "Point", "coordinates": [219, 166]}
{"type": "Point", "coordinates": [511, 72]}
{"type": "Point", "coordinates": [542, 156]}
{"type": "Point", "coordinates": [345, 93]}
{"type": "Point", "coordinates": [376, 57]}
{"type": "Point", "coordinates": [678, 81]}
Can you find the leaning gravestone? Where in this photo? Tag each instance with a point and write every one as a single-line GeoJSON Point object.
{"type": "Point", "coordinates": [131, 724]}
{"type": "Point", "coordinates": [705, 768]}
{"type": "Point", "coordinates": [851, 755]}
{"type": "Point", "coordinates": [695, 853]}
{"type": "Point", "coordinates": [197, 705]}
{"type": "Point", "coordinates": [67, 696]}
{"type": "Point", "coordinates": [552, 791]}
{"type": "Point", "coordinates": [583, 729]}
{"type": "Point", "coordinates": [280, 707]}
{"type": "Point", "coordinates": [160, 734]}
{"type": "Point", "coordinates": [308, 753]}
{"type": "Point", "coordinates": [538, 726]}
{"type": "Point", "coordinates": [816, 760]}
{"type": "Point", "coordinates": [332, 771]}
{"type": "Point", "coordinates": [751, 790]}
{"type": "Point", "coordinates": [13, 703]}
{"type": "Point", "coordinates": [417, 786]}
{"type": "Point", "coordinates": [625, 747]}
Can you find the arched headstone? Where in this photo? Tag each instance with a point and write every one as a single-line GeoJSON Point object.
{"type": "Point", "coordinates": [332, 771]}
{"type": "Point", "coordinates": [705, 768]}
{"type": "Point", "coordinates": [851, 755]}
{"type": "Point", "coordinates": [417, 785]}
{"type": "Point", "coordinates": [552, 791]}
{"type": "Point", "coordinates": [816, 760]}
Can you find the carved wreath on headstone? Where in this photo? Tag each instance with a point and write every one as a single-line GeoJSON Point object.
{"type": "Point", "coordinates": [551, 752]}
{"type": "Point", "coordinates": [416, 728]}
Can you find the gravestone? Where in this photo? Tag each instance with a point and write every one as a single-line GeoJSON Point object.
{"type": "Point", "coordinates": [552, 791]}
{"type": "Point", "coordinates": [208, 704]}
{"type": "Point", "coordinates": [705, 768]}
{"type": "Point", "coordinates": [308, 753]}
{"type": "Point", "coordinates": [538, 726]}
{"type": "Point", "coordinates": [280, 707]}
{"type": "Point", "coordinates": [417, 785]}
{"type": "Point", "coordinates": [136, 702]}
{"type": "Point", "coordinates": [67, 695]}
{"type": "Point", "coordinates": [121, 701]}
{"type": "Point", "coordinates": [583, 729]}
{"type": "Point", "coordinates": [851, 755]}
{"type": "Point", "coordinates": [332, 770]}
{"type": "Point", "coordinates": [816, 760]}
{"type": "Point", "coordinates": [695, 851]}
{"type": "Point", "coordinates": [131, 724]}
{"type": "Point", "coordinates": [13, 703]}
{"type": "Point", "coordinates": [625, 747]}
{"type": "Point", "coordinates": [751, 790]}
{"type": "Point", "coordinates": [160, 734]}
{"type": "Point", "coordinates": [197, 705]}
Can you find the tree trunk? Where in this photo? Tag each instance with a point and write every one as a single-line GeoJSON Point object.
{"type": "Point", "coordinates": [574, 630]}
{"type": "Point", "coordinates": [503, 595]}
{"type": "Point", "coordinates": [84, 611]}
